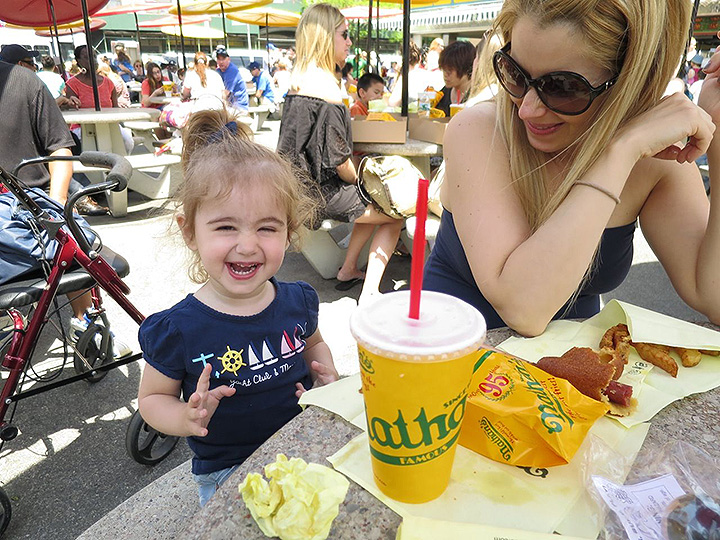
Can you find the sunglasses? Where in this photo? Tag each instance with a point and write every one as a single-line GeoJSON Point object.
{"type": "Point", "coordinates": [563, 92]}
{"type": "Point", "coordinates": [344, 34]}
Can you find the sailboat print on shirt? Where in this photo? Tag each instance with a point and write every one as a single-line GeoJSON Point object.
{"type": "Point", "coordinates": [290, 347]}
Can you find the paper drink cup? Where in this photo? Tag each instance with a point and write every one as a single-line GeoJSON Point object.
{"type": "Point", "coordinates": [415, 376]}
{"type": "Point", "coordinates": [456, 108]}
{"type": "Point", "coordinates": [167, 86]}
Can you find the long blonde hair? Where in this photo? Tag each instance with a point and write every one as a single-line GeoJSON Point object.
{"type": "Point", "coordinates": [315, 41]}
{"type": "Point", "coordinates": [218, 155]}
{"type": "Point", "coordinates": [640, 40]}
{"type": "Point", "coordinates": [200, 67]}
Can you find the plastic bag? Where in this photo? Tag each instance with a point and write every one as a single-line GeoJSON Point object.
{"type": "Point", "coordinates": [390, 183]}
{"type": "Point", "coordinates": [671, 494]}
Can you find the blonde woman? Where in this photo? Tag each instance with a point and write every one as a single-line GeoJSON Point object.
{"type": "Point", "coordinates": [545, 184]}
{"type": "Point", "coordinates": [315, 134]}
{"type": "Point", "coordinates": [204, 85]}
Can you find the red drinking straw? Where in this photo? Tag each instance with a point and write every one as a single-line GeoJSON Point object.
{"type": "Point", "coordinates": [418, 259]}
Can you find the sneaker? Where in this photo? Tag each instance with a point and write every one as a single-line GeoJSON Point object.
{"type": "Point", "coordinates": [78, 326]}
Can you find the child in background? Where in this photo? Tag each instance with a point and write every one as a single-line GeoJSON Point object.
{"type": "Point", "coordinates": [243, 347]}
{"type": "Point", "coordinates": [370, 86]}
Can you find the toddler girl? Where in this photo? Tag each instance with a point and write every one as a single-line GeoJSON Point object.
{"type": "Point", "coordinates": [243, 347]}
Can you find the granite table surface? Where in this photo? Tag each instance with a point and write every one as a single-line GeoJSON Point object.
{"type": "Point", "coordinates": [316, 433]}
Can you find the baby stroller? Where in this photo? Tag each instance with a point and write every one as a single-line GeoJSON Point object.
{"type": "Point", "coordinates": [30, 301]}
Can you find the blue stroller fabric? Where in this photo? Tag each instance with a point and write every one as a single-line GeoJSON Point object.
{"type": "Point", "coordinates": [20, 250]}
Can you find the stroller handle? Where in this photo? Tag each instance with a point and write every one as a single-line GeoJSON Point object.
{"type": "Point", "coordinates": [120, 168]}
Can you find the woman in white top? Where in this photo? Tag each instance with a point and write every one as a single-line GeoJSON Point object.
{"type": "Point", "coordinates": [203, 85]}
{"type": "Point", "coordinates": [418, 78]}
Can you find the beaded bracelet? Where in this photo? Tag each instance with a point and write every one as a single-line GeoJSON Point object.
{"type": "Point", "coordinates": [600, 189]}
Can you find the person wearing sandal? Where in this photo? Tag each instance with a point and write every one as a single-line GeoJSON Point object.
{"type": "Point", "coordinates": [315, 135]}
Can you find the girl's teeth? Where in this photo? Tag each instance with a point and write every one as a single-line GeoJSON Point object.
{"type": "Point", "coordinates": [243, 268]}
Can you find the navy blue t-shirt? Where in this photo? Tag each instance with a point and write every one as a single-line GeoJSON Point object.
{"type": "Point", "coordinates": [447, 270]}
{"type": "Point", "coordinates": [260, 355]}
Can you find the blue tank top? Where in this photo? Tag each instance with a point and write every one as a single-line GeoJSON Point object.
{"type": "Point", "coordinates": [447, 270]}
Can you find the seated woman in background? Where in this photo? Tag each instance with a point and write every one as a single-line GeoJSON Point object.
{"type": "Point", "coordinates": [315, 135]}
{"type": "Point", "coordinates": [152, 86]}
{"type": "Point", "coordinates": [80, 85]}
{"type": "Point", "coordinates": [203, 85]}
{"type": "Point", "coordinates": [123, 95]}
{"type": "Point", "coordinates": [456, 63]}
{"type": "Point", "coordinates": [545, 184]}
{"type": "Point", "coordinates": [419, 79]}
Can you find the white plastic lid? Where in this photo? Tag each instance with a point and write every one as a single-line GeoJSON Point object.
{"type": "Point", "coordinates": [446, 325]}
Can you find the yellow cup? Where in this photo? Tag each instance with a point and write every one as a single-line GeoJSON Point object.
{"type": "Point", "coordinates": [415, 376]}
{"type": "Point", "coordinates": [346, 101]}
{"type": "Point", "coordinates": [167, 86]}
{"type": "Point", "coordinates": [455, 108]}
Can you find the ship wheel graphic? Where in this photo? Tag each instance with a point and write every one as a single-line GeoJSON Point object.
{"type": "Point", "coordinates": [232, 361]}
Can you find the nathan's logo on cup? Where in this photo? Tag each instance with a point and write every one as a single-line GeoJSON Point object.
{"type": "Point", "coordinates": [436, 435]}
{"type": "Point", "coordinates": [365, 362]}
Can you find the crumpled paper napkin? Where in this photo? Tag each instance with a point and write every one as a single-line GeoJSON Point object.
{"type": "Point", "coordinates": [299, 503]}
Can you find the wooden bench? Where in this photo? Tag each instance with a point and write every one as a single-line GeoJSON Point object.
{"type": "Point", "coordinates": [156, 177]}
{"type": "Point", "coordinates": [325, 248]}
{"type": "Point", "coordinates": [260, 114]}
{"type": "Point", "coordinates": [145, 130]}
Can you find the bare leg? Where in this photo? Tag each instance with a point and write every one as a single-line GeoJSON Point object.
{"type": "Point", "coordinates": [361, 233]}
{"type": "Point", "coordinates": [381, 248]}
{"type": "Point", "coordinates": [80, 304]}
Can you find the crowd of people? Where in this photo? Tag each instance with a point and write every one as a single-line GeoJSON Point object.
{"type": "Point", "coordinates": [545, 187]}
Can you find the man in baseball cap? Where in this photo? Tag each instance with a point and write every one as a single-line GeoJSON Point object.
{"type": "Point", "coordinates": [17, 54]}
{"type": "Point", "coordinates": [235, 88]}
{"type": "Point", "coordinates": [263, 86]}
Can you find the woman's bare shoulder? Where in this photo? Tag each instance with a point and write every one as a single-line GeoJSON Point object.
{"type": "Point", "coordinates": [474, 123]}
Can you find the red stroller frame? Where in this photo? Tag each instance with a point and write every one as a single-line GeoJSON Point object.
{"type": "Point", "coordinates": [92, 360]}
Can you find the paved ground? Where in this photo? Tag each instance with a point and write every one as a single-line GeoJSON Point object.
{"type": "Point", "coordinates": [69, 465]}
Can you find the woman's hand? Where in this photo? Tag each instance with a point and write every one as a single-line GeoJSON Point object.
{"type": "Point", "coordinates": [203, 403]}
{"type": "Point", "coordinates": [709, 98]}
{"type": "Point", "coordinates": [661, 132]}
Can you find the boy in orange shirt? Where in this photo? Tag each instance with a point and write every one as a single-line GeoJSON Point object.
{"type": "Point", "coordinates": [370, 86]}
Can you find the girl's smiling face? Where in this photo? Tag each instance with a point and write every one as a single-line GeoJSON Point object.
{"type": "Point", "coordinates": [540, 50]}
{"type": "Point", "coordinates": [241, 240]}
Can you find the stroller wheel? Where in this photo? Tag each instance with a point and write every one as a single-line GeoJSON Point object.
{"type": "Point", "coordinates": [5, 511]}
{"type": "Point", "coordinates": [145, 444]}
{"type": "Point", "coordinates": [88, 353]}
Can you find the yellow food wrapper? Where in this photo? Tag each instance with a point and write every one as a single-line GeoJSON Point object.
{"type": "Point", "coordinates": [299, 503]}
{"type": "Point", "coordinates": [519, 415]}
{"type": "Point", "coordinates": [380, 117]}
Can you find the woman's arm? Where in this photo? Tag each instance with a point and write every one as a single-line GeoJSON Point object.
{"type": "Point", "coordinates": [161, 407]}
{"type": "Point", "coordinates": [527, 277]}
{"type": "Point", "coordinates": [347, 172]}
{"type": "Point", "coordinates": [155, 93]}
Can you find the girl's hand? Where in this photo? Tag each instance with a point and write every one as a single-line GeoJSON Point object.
{"type": "Point", "coordinates": [321, 375]}
{"type": "Point", "coordinates": [661, 132]}
{"type": "Point", "coordinates": [203, 403]}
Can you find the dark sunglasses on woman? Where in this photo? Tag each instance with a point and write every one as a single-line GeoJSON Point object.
{"type": "Point", "coordinates": [563, 92]}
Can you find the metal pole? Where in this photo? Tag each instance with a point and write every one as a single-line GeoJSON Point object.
{"type": "Point", "coordinates": [406, 55]}
{"type": "Point", "coordinates": [182, 38]}
{"type": "Point", "coordinates": [222, 11]}
{"type": "Point", "coordinates": [267, 40]}
{"type": "Point", "coordinates": [91, 54]}
{"type": "Point", "coordinates": [369, 35]}
{"type": "Point", "coordinates": [137, 35]}
{"type": "Point", "coordinates": [377, 40]}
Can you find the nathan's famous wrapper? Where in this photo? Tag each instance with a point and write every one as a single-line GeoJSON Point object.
{"type": "Point", "coordinates": [167, 86]}
{"type": "Point", "coordinates": [415, 376]}
{"type": "Point", "coordinates": [519, 415]}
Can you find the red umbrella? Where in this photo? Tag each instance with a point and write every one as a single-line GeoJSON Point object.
{"type": "Point", "coordinates": [51, 13]}
{"type": "Point", "coordinates": [172, 20]}
{"type": "Point", "coordinates": [36, 13]}
{"type": "Point", "coordinates": [67, 29]}
{"type": "Point", "coordinates": [134, 9]}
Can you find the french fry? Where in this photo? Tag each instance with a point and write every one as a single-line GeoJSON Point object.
{"type": "Point", "coordinates": [657, 356]}
{"type": "Point", "coordinates": [710, 353]}
{"type": "Point", "coordinates": [688, 357]}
